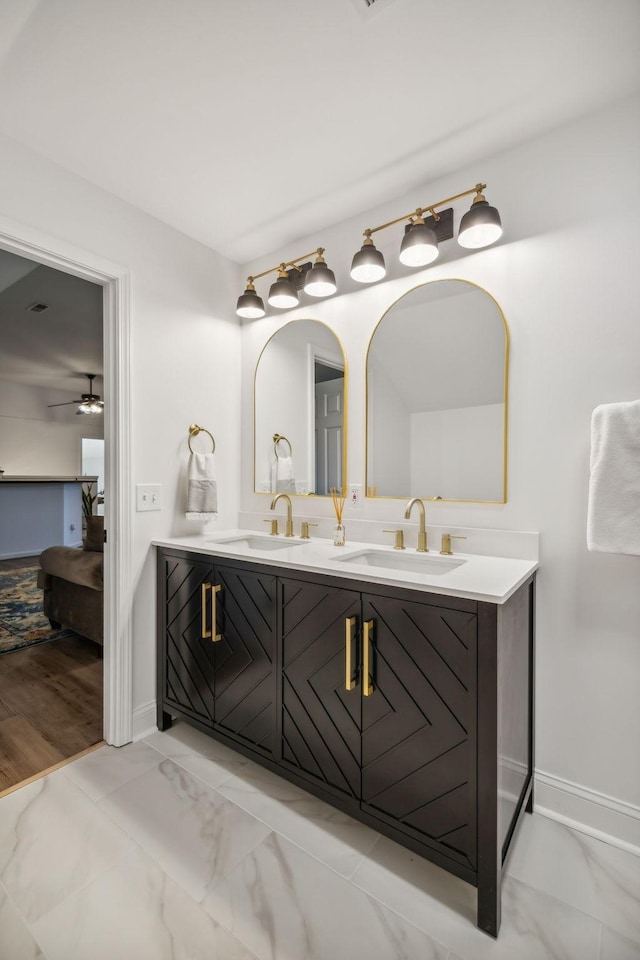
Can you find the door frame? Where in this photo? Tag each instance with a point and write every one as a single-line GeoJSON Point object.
{"type": "Point", "coordinates": [118, 596]}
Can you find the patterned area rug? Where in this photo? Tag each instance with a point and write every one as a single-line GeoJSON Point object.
{"type": "Point", "coordinates": [22, 622]}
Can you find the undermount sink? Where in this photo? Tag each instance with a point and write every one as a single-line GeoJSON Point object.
{"type": "Point", "coordinates": [251, 541]}
{"type": "Point", "coordinates": [412, 562]}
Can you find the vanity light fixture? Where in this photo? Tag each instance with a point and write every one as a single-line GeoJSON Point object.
{"type": "Point", "coordinates": [479, 228]}
{"type": "Point", "coordinates": [282, 293]}
{"type": "Point", "coordinates": [317, 280]}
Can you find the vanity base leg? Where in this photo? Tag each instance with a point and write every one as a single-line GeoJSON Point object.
{"type": "Point", "coordinates": [164, 720]}
{"type": "Point", "coordinates": [489, 907]}
{"type": "Point", "coordinates": [529, 805]}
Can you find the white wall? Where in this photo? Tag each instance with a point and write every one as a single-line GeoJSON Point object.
{"type": "Point", "coordinates": [389, 435]}
{"type": "Point", "coordinates": [184, 353]}
{"type": "Point", "coordinates": [565, 276]}
{"type": "Point", "coordinates": [458, 454]}
{"type": "Point", "coordinates": [38, 441]}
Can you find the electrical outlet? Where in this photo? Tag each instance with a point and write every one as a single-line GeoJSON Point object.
{"type": "Point", "coordinates": [354, 497]}
{"type": "Point", "coordinates": [148, 496]}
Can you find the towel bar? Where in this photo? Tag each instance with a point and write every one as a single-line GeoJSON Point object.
{"type": "Point", "coordinates": [277, 437]}
{"type": "Point", "coordinates": [194, 430]}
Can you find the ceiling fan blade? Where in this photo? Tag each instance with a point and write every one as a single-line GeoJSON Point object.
{"type": "Point", "coordinates": [65, 404]}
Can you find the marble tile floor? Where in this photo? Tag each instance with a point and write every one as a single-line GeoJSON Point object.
{"type": "Point", "coordinates": [176, 848]}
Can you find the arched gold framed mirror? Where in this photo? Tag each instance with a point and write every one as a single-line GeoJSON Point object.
{"type": "Point", "coordinates": [437, 390]}
{"type": "Point", "coordinates": [300, 392]}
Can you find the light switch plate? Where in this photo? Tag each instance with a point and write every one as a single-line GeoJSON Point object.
{"type": "Point", "coordinates": [148, 496]}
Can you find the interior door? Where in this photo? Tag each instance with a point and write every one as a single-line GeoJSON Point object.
{"type": "Point", "coordinates": [329, 440]}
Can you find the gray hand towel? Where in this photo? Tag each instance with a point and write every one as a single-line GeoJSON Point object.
{"type": "Point", "coordinates": [202, 489]}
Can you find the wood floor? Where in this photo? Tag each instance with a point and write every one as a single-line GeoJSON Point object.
{"type": "Point", "coordinates": [50, 704]}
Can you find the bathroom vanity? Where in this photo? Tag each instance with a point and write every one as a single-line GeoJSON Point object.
{"type": "Point", "coordinates": [397, 688]}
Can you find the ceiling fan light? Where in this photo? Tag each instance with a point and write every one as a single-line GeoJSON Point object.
{"type": "Point", "coordinates": [320, 281]}
{"type": "Point", "coordinates": [480, 226]}
{"type": "Point", "coordinates": [419, 246]}
{"type": "Point", "coordinates": [282, 293]}
{"type": "Point", "coordinates": [368, 265]}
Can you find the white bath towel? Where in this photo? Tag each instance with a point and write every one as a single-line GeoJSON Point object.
{"type": "Point", "coordinates": [613, 517]}
{"type": "Point", "coordinates": [282, 480]}
{"type": "Point", "coordinates": [202, 489]}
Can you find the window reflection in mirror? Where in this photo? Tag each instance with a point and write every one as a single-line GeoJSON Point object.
{"type": "Point", "coordinates": [437, 396]}
{"type": "Point", "coordinates": [299, 395]}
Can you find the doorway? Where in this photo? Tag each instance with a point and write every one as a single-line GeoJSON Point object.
{"type": "Point", "coordinates": [114, 281]}
{"type": "Point", "coordinates": [51, 623]}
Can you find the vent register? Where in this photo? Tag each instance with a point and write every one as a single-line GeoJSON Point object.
{"type": "Point", "coordinates": [366, 6]}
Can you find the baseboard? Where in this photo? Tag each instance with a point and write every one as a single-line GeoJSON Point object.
{"type": "Point", "coordinates": [588, 811]}
{"type": "Point", "coordinates": [24, 553]}
{"type": "Point", "coordinates": [144, 720]}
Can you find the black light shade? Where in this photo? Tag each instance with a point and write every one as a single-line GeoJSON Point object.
{"type": "Point", "coordinates": [283, 293]}
{"type": "Point", "coordinates": [480, 226]}
{"type": "Point", "coordinates": [320, 281]}
{"type": "Point", "coordinates": [367, 265]}
{"type": "Point", "coordinates": [250, 305]}
{"type": "Point", "coordinates": [419, 246]}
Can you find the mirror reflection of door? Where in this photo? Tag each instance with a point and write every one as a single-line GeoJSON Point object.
{"type": "Point", "coordinates": [329, 405]}
{"type": "Point", "coordinates": [299, 395]}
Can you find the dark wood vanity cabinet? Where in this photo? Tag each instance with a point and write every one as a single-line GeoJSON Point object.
{"type": "Point", "coordinates": [216, 658]}
{"type": "Point", "coordinates": [410, 710]}
{"type": "Point", "coordinates": [418, 720]}
{"type": "Point", "coordinates": [321, 718]}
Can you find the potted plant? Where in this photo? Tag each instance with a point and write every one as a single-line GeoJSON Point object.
{"type": "Point", "coordinates": [88, 500]}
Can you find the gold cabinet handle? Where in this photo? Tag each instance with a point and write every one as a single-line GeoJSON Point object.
{"type": "Point", "coordinates": [367, 685]}
{"type": "Point", "coordinates": [349, 678]}
{"type": "Point", "coordinates": [203, 610]}
{"type": "Point", "coordinates": [215, 590]}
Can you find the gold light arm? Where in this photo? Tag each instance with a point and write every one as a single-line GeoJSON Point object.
{"type": "Point", "coordinates": [287, 263]}
{"type": "Point", "coordinates": [479, 187]}
{"type": "Point", "coordinates": [367, 685]}
{"type": "Point", "coordinates": [349, 680]}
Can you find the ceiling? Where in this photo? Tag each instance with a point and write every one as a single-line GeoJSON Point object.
{"type": "Point", "coordinates": [52, 349]}
{"type": "Point", "coordinates": [249, 123]}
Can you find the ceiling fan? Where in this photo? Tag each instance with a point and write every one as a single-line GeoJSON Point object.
{"type": "Point", "coordinates": [90, 402]}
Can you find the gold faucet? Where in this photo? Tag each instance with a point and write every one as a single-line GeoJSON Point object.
{"type": "Point", "coordinates": [289, 524]}
{"type": "Point", "coordinates": [422, 530]}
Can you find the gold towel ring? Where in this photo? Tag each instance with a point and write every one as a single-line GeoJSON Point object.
{"type": "Point", "coordinates": [277, 437]}
{"type": "Point", "coordinates": [194, 430]}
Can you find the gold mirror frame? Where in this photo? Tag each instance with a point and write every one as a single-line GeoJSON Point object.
{"type": "Point", "coordinates": [505, 397]}
{"type": "Point", "coordinates": [345, 405]}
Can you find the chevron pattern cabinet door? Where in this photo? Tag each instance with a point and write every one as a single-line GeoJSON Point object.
{"type": "Point", "coordinates": [190, 675]}
{"type": "Point", "coordinates": [320, 717]}
{"type": "Point", "coordinates": [418, 745]}
{"type": "Point", "coordinates": [245, 683]}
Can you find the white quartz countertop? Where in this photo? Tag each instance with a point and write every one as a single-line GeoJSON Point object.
{"type": "Point", "coordinates": [493, 579]}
